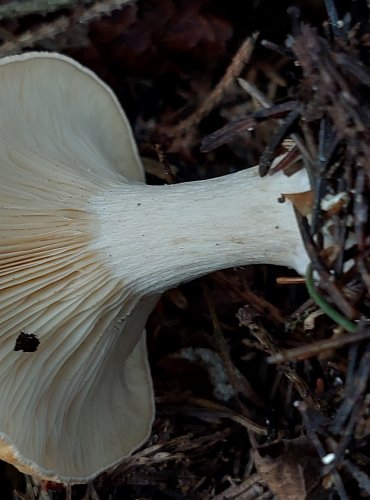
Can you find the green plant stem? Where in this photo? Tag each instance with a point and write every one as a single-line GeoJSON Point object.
{"type": "Point", "coordinates": [325, 306]}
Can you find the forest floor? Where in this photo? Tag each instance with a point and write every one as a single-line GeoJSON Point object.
{"type": "Point", "coordinates": [261, 387]}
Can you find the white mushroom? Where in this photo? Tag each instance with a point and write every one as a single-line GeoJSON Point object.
{"type": "Point", "coordinates": [86, 248]}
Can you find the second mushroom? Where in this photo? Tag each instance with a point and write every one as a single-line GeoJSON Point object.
{"type": "Point", "coordinates": [86, 249]}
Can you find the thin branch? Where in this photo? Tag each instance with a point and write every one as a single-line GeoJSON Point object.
{"type": "Point", "coordinates": [17, 9]}
{"type": "Point", "coordinates": [62, 24]}
{"type": "Point", "coordinates": [308, 350]}
{"type": "Point", "coordinates": [236, 66]}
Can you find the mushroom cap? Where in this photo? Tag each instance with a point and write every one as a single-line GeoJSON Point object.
{"type": "Point", "coordinates": [83, 401]}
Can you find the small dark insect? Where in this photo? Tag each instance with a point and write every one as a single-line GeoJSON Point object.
{"type": "Point", "coordinates": [26, 342]}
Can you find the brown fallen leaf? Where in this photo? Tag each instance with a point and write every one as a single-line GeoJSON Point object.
{"type": "Point", "coordinates": [289, 467]}
{"type": "Point", "coordinates": [303, 202]}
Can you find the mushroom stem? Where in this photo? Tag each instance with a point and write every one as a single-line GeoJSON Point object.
{"type": "Point", "coordinates": [180, 232]}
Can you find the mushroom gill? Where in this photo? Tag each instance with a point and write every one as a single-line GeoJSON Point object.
{"type": "Point", "coordinates": [66, 409]}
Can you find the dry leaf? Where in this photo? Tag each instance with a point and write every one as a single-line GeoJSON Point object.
{"type": "Point", "coordinates": [303, 202]}
{"type": "Point", "coordinates": [289, 467]}
{"type": "Point", "coordinates": [333, 204]}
